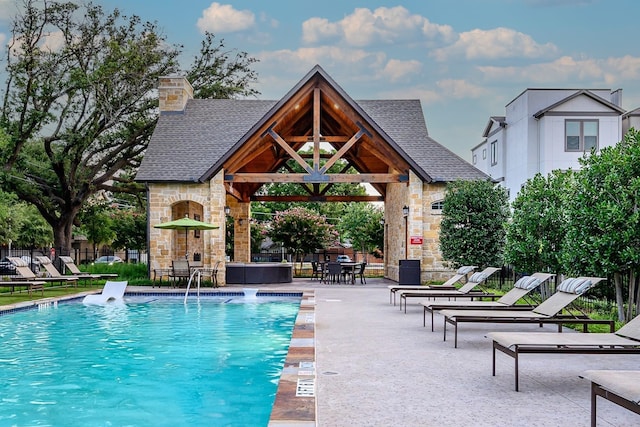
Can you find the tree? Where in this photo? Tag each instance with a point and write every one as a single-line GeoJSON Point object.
{"type": "Point", "coordinates": [472, 231]}
{"type": "Point", "coordinates": [97, 225]}
{"type": "Point", "coordinates": [361, 225]}
{"type": "Point", "coordinates": [130, 229]}
{"type": "Point", "coordinates": [329, 210]}
{"type": "Point", "coordinates": [78, 105]}
{"type": "Point", "coordinates": [301, 231]}
{"type": "Point", "coordinates": [537, 228]}
{"type": "Point", "coordinates": [603, 234]}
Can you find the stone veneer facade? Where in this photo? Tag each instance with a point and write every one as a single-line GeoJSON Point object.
{"type": "Point", "coordinates": [170, 201]}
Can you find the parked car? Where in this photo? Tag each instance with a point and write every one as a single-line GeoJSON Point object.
{"type": "Point", "coordinates": [108, 259]}
{"type": "Point", "coordinates": [7, 267]}
{"type": "Point", "coordinates": [343, 258]}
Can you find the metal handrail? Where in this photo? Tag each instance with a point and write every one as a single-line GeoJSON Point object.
{"type": "Point", "coordinates": [199, 274]}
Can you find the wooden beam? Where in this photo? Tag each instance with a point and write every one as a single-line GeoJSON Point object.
{"type": "Point", "coordinates": [316, 129]}
{"type": "Point", "coordinates": [294, 155]}
{"type": "Point", "coordinates": [343, 150]}
{"type": "Point", "coordinates": [317, 199]}
{"type": "Point", "coordinates": [304, 178]}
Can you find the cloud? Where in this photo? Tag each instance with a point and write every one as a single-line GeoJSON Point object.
{"type": "Point", "coordinates": [8, 9]}
{"type": "Point", "coordinates": [612, 71]}
{"type": "Point", "coordinates": [495, 44]}
{"type": "Point", "coordinates": [366, 27]}
{"type": "Point", "coordinates": [460, 89]}
{"type": "Point", "coordinates": [396, 70]}
{"type": "Point", "coordinates": [223, 18]}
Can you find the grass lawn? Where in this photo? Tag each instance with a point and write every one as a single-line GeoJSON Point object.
{"type": "Point", "coordinates": [21, 295]}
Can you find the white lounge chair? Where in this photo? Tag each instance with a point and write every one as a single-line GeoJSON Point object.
{"type": "Point", "coordinates": [626, 340]}
{"type": "Point", "coordinates": [112, 292]}
{"type": "Point", "coordinates": [521, 288]}
{"type": "Point", "coordinates": [461, 273]}
{"type": "Point", "coordinates": [546, 312]}
{"type": "Point", "coordinates": [619, 387]}
{"type": "Point", "coordinates": [466, 291]}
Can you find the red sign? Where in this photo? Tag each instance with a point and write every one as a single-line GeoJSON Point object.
{"type": "Point", "coordinates": [416, 240]}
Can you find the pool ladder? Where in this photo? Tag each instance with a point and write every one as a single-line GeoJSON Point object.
{"type": "Point", "coordinates": [196, 273]}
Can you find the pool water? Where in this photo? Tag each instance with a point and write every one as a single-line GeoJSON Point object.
{"type": "Point", "coordinates": [153, 362]}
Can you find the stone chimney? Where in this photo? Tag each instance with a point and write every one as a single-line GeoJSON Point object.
{"type": "Point", "coordinates": [173, 93]}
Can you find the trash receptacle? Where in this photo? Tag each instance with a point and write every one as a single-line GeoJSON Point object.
{"type": "Point", "coordinates": [409, 272]}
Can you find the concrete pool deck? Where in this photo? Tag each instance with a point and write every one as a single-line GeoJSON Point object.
{"type": "Point", "coordinates": [376, 366]}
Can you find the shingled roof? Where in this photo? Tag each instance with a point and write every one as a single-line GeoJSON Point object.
{"type": "Point", "coordinates": [192, 146]}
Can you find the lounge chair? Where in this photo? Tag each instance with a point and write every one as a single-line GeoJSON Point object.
{"type": "Point", "coordinates": [626, 340]}
{"type": "Point", "coordinates": [111, 292]}
{"type": "Point", "coordinates": [22, 268]}
{"type": "Point", "coordinates": [520, 289]}
{"type": "Point", "coordinates": [75, 271]}
{"type": "Point", "coordinates": [461, 273]}
{"type": "Point", "coordinates": [466, 291]}
{"type": "Point", "coordinates": [53, 272]}
{"type": "Point", "coordinates": [619, 387]}
{"type": "Point", "coordinates": [29, 285]}
{"type": "Point", "coordinates": [546, 312]}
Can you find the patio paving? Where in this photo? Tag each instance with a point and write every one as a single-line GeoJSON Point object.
{"type": "Point", "coordinates": [377, 366]}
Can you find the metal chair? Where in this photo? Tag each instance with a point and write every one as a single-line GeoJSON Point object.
{"type": "Point", "coordinates": [333, 273]}
{"type": "Point", "coordinates": [179, 270]}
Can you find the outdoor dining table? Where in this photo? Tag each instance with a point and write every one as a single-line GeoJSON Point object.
{"type": "Point", "coordinates": [349, 268]}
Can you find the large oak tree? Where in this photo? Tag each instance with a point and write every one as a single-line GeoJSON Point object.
{"type": "Point", "coordinates": [79, 103]}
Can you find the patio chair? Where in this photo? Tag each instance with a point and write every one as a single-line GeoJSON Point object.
{"type": "Point", "coordinates": [461, 273]}
{"type": "Point", "coordinates": [180, 271]}
{"type": "Point", "coordinates": [317, 270]}
{"type": "Point", "coordinates": [52, 271]}
{"type": "Point", "coordinates": [466, 291]}
{"type": "Point", "coordinates": [521, 289]}
{"type": "Point", "coordinates": [158, 273]}
{"type": "Point", "coordinates": [625, 341]}
{"type": "Point", "coordinates": [333, 273]}
{"type": "Point", "coordinates": [360, 273]}
{"type": "Point", "coordinates": [70, 265]}
{"type": "Point", "coordinates": [111, 292]}
{"type": "Point", "coordinates": [29, 285]}
{"type": "Point", "coordinates": [619, 387]}
{"type": "Point", "coordinates": [549, 311]}
{"type": "Point", "coordinates": [22, 268]}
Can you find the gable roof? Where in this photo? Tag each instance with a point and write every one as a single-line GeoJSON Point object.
{"type": "Point", "coordinates": [212, 134]}
{"type": "Point", "coordinates": [582, 92]}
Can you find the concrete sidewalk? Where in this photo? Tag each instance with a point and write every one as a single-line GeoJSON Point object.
{"type": "Point", "coordinates": [377, 366]}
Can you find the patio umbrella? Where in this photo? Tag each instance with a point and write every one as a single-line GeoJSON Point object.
{"type": "Point", "coordinates": [186, 224]}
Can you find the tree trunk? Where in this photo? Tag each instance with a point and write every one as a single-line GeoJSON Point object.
{"type": "Point", "coordinates": [62, 232]}
{"type": "Point", "coordinates": [617, 280]}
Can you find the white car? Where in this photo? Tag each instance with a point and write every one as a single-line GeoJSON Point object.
{"type": "Point", "coordinates": [343, 258]}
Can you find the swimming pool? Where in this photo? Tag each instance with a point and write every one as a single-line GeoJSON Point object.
{"type": "Point", "coordinates": [153, 361]}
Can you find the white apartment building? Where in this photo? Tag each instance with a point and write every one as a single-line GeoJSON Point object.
{"type": "Point", "coordinates": [548, 129]}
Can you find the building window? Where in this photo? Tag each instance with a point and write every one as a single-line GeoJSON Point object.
{"type": "Point", "coordinates": [494, 153]}
{"type": "Point", "coordinates": [484, 154]}
{"type": "Point", "coordinates": [437, 206]}
{"type": "Point", "coordinates": [581, 135]}
{"type": "Point", "coordinates": [475, 159]}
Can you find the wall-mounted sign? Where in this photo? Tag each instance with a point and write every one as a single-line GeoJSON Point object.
{"type": "Point", "coordinates": [416, 240]}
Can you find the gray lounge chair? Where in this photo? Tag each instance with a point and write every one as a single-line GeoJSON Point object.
{"type": "Point", "coordinates": [461, 273]}
{"type": "Point", "coordinates": [52, 271]}
{"type": "Point", "coordinates": [466, 291]}
{"type": "Point", "coordinates": [70, 265]}
{"type": "Point", "coordinates": [626, 340]}
{"type": "Point", "coordinates": [22, 268]}
{"type": "Point", "coordinates": [520, 289]}
{"type": "Point", "coordinates": [619, 387]}
{"type": "Point", "coordinates": [547, 312]}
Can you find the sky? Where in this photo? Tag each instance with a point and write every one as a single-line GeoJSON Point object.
{"type": "Point", "coordinates": [464, 59]}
